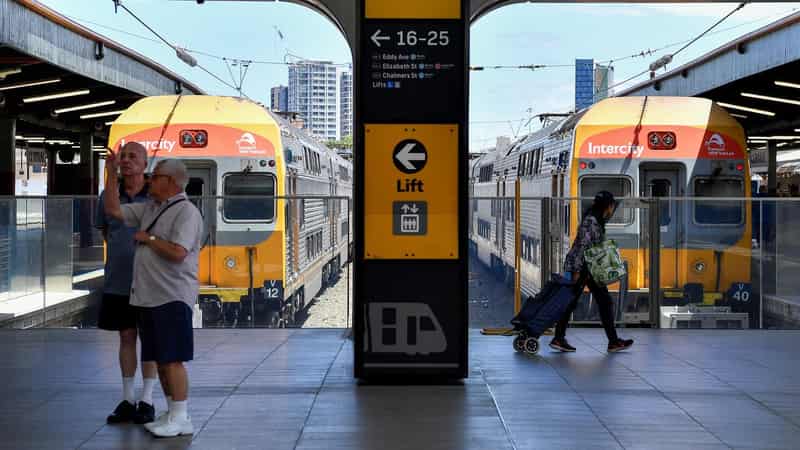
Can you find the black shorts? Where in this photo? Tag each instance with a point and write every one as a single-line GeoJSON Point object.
{"type": "Point", "coordinates": [166, 333]}
{"type": "Point", "coordinates": [116, 313]}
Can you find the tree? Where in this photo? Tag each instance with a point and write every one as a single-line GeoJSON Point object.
{"type": "Point", "coordinates": [346, 143]}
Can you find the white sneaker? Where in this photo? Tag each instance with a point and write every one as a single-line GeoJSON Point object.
{"type": "Point", "coordinates": [173, 427]}
{"type": "Point", "coordinates": [160, 420]}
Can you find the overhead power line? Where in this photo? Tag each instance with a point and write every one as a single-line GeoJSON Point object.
{"type": "Point", "coordinates": [641, 54]}
{"type": "Point", "coordinates": [666, 59]}
{"type": "Point", "coordinates": [180, 52]}
{"type": "Point", "coordinates": [645, 52]}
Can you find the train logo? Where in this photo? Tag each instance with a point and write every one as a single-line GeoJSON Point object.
{"type": "Point", "coordinates": [246, 142]}
{"type": "Point", "coordinates": [715, 143]}
{"type": "Point", "coordinates": [409, 328]}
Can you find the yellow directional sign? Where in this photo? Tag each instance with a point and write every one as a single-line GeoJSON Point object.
{"type": "Point", "coordinates": [413, 9]}
{"type": "Point", "coordinates": [411, 191]}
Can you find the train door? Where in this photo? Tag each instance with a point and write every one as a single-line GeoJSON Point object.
{"type": "Point", "coordinates": [497, 212]}
{"type": "Point", "coordinates": [332, 208]}
{"type": "Point", "coordinates": [292, 225]}
{"type": "Point", "coordinates": [201, 190]}
{"type": "Point", "coordinates": [664, 183]}
{"type": "Point", "coordinates": [558, 229]}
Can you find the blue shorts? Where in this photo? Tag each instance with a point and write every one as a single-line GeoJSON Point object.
{"type": "Point", "coordinates": [166, 333]}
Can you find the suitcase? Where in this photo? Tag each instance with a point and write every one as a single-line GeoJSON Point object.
{"type": "Point", "coordinates": [541, 312]}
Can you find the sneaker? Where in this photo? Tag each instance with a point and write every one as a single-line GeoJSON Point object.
{"type": "Point", "coordinates": [173, 427]}
{"type": "Point", "coordinates": [561, 345]}
{"type": "Point", "coordinates": [124, 412]}
{"type": "Point", "coordinates": [619, 345]}
{"type": "Point", "coordinates": [160, 420]}
{"type": "Point", "coordinates": [145, 413]}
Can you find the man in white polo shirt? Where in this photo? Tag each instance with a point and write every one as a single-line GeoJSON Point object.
{"type": "Point", "coordinates": [165, 282]}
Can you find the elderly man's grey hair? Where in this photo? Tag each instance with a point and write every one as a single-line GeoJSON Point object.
{"type": "Point", "coordinates": [176, 169]}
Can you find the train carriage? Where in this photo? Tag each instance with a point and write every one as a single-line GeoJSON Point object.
{"type": "Point", "coordinates": [273, 236]}
{"type": "Point", "coordinates": [671, 148]}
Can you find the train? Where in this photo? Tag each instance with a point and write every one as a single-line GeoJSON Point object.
{"type": "Point", "coordinates": [274, 200]}
{"type": "Point", "coordinates": [673, 149]}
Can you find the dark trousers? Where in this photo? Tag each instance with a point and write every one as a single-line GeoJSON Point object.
{"type": "Point", "coordinates": [604, 304]}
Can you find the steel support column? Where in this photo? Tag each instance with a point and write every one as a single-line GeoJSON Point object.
{"type": "Point", "coordinates": [772, 168]}
{"type": "Point", "coordinates": [8, 129]}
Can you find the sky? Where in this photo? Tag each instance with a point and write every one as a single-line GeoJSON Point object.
{"type": "Point", "coordinates": [501, 101]}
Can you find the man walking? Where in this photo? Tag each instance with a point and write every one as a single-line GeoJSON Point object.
{"type": "Point", "coordinates": [116, 313]}
{"type": "Point", "coordinates": [165, 282]}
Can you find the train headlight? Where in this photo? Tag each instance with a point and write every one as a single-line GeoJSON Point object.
{"type": "Point", "coordinates": [230, 262]}
{"type": "Point", "coordinates": [699, 267]}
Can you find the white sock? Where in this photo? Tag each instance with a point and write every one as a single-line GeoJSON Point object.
{"type": "Point", "coordinates": [179, 410]}
{"type": "Point", "coordinates": [169, 403]}
{"type": "Point", "coordinates": [147, 390]}
{"type": "Point", "coordinates": [127, 389]}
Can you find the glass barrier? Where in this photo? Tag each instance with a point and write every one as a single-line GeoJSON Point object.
{"type": "Point", "coordinates": [707, 264]}
{"type": "Point", "coordinates": [780, 268]}
{"type": "Point", "coordinates": [284, 262]}
{"type": "Point", "coordinates": [492, 262]}
{"type": "Point", "coordinates": [275, 262]}
{"type": "Point", "coordinates": [264, 262]}
{"type": "Point", "coordinates": [23, 238]}
{"type": "Point", "coordinates": [630, 228]}
{"type": "Point", "coordinates": [691, 263]}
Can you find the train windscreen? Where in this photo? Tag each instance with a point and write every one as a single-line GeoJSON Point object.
{"type": "Point", "coordinates": [718, 213]}
{"type": "Point", "coordinates": [259, 207]}
{"type": "Point", "coordinates": [619, 186]}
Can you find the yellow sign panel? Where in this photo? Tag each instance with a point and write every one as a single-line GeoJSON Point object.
{"type": "Point", "coordinates": [413, 9]}
{"type": "Point", "coordinates": [411, 191]}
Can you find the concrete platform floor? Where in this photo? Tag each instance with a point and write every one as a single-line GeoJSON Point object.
{"type": "Point", "coordinates": [293, 389]}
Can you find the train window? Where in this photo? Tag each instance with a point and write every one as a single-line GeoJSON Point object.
{"type": "Point", "coordinates": [662, 188]}
{"type": "Point", "coordinates": [539, 154]}
{"type": "Point", "coordinates": [260, 207]}
{"type": "Point", "coordinates": [486, 173]}
{"type": "Point", "coordinates": [619, 186]}
{"type": "Point", "coordinates": [301, 214]}
{"type": "Point", "coordinates": [718, 213]}
{"type": "Point", "coordinates": [194, 189]}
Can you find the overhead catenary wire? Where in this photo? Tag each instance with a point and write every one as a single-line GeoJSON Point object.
{"type": "Point", "coordinates": [646, 52]}
{"type": "Point", "coordinates": [192, 50]}
{"type": "Point", "coordinates": [639, 54]}
{"type": "Point", "coordinates": [664, 60]}
{"type": "Point", "coordinates": [686, 45]}
{"type": "Point", "coordinates": [118, 4]}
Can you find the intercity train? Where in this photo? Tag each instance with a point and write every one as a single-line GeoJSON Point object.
{"type": "Point", "coordinates": [638, 148]}
{"type": "Point", "coordinates": [274, 202]}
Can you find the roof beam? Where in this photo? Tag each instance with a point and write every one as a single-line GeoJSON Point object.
{"type": "Point", "coordinates": [36, 30]}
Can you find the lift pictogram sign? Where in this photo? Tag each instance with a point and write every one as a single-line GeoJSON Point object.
{"type": "Point", "coordinates": [410, 156]}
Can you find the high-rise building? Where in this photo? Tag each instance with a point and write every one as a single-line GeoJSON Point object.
{"type": "Point", "coordinates": [321, 93]}
{"type": "Point", "coordinates": [279, 99]}
{"type": "Point", "coordinates": [346, 89]}
{"type": "Point", "coordinates": [592, 82]}
{"type": "Point", "coordinates": [584, 83]}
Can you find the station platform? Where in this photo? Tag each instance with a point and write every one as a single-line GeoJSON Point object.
{"type": "Point", "coordinates": [293, 389]}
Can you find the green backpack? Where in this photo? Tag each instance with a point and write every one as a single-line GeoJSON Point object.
{"type": "Point", "coordinates": [605, 263]}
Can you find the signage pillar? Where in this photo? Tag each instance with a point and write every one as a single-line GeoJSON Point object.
{"type": "Point", "coordinates": [411, 159]}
